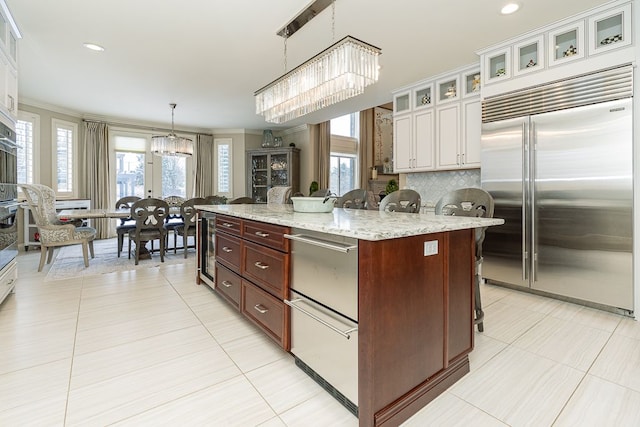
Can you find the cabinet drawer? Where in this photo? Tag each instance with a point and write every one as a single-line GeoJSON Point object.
{"type": "Point", "coordinates": [270, 314]}
{"type": "Point", "coordinates": [229, 224]}
{"type": "Point", "coordinates": [228, 251]}
{"type": "Point", "coordinates": [267, 268]}
{"type": "Point", "coordinates": [228, 284]}
{"type": "Point", "coordinates": [8, 280]}
{"type": "Point", "coordinates": [266, 234]}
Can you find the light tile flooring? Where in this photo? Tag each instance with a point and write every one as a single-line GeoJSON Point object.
{"type": "Point", "coordinates": [151, 348]}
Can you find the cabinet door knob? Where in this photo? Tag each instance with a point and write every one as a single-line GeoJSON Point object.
{"type": "Point", "coordinates": [261, 234]}
{"type": "Point", "coordinates": [226, 284]}
{"type": "Point", "coordinates": [226, 249]}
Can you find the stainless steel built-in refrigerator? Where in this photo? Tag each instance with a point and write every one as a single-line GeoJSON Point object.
{"type": "Point", "coordinates": [558, 161]}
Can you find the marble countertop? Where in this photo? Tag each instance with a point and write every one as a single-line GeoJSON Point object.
{"type": "Point", "coordinates": [355, 223]}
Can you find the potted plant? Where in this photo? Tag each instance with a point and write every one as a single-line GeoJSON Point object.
{"type": "Point", "coordinates": [313, 187]}
{"type": "Point", "coordinates": [392, 186]}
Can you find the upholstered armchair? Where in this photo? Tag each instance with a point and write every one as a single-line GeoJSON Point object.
{"type": "Point", "coordinates": [53, 232]}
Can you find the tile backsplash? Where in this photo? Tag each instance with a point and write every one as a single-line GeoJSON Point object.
{"type": "Point", "coordinates": [433, 185]}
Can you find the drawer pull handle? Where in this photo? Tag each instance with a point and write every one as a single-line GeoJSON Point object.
{"type": "Point", "coordinates": [226, 249]}
{"type": "Point", "coordinates": [226, 284]}
{"type": "Point", "coordinates": [261, 234]}
{"type": "Point", "coordinates": [226, 224]}
{"type": "Point", "coordinates": [261, 265]}
{"type": "Point", "coordinates": [261, 308]}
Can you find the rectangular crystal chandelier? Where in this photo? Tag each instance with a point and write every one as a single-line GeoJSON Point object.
{"type": "Point", "coordinates": [340, 72]}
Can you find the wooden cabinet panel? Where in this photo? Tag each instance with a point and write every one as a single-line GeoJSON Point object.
{"type": "Point", "coordinates": [267, 268]}
{"type": "Point", "coordinates": [229, 224]}
{"type": "Point", "coordinates": [402, 144]}
{"type": "Point", "coordinates": [266, 234]}
{"type": "Point", "coordinates": [229, 251]}
{"type": "Point", "coordinates": [448, 153]}
{"type": "Point", "coordinates": [269, 313]}
{"type": "Point", "coordinates": [228, 284]}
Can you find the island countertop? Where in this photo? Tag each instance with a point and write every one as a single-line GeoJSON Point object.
{"type": "Point", "coordinates": [356, 223]}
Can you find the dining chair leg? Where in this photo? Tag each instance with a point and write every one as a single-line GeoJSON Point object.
{"type": "Point", "coordinates": [162, 247]}
{"type": "Point", "coordinates": [129, 247]}
{"type": "Point", "coordinates": [85, 253]}
{"type": "Point", "coordinates": [50, 257]}
{"type": "Point", "coordinates": [137, 252]}
{"type": "Point", "coordinates": [185, 239]}
{"type": "Point", "coordinates": [120, 243]}
{"type": "Point", "coordinates": [93, 255]}
{"type": "Point", "coordinates": [175, 242]}
{"type": "Point", "coordinates": [43, 255]}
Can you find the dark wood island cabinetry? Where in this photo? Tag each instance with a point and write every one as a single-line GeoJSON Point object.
{"type": "Point", "coordinates": [415, 295]}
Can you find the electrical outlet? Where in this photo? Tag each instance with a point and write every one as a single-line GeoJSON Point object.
{"type": "Point", "coordinates": [431, 248]}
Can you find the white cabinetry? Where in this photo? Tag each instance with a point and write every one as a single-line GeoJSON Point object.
{"type": "Point", "coordinates": [593, 40]}
{"type": "Point", "coordinates": [29, 224]}
{"type": "Point", "coordinates": [430, 122]}
{"type": "Point", "coordinates": [8, 276]}
{"type": "Point", "coordinates": [8, 65]}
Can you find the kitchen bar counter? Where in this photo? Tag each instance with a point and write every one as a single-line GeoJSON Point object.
{"type": "Point", "coordinates": [414, 290]}
{"type": "Point", "coordinates": [359, 224]}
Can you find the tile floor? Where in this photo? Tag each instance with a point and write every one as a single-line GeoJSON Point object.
{"type": "Point", "coordinates": [149, 347]}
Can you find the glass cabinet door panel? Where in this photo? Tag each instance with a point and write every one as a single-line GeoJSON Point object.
{"type": "Point", "coordinates": [279, 170]}
{"type": "Point", "coordinates": [497, 65]}
{"type": "Point", "coordinates": [259, 163]}
{"type": "Point", "coordinates": [401, 103]}
{"type": "Point", "coordinates": [423, 96]}
{"type": "Point", "coordinates": [528, 56]}
{"type": "Point", "coordinates": [610, 30]}
{"type": "Point", "coordinates": [566, 43]}
{"type": "Point", "coordinates": [448, 90]}
{"type": "Point", "coordinates": [471, 83]}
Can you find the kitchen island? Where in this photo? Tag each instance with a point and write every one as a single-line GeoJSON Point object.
{"type": "Point", "coordinates": [413, 280]}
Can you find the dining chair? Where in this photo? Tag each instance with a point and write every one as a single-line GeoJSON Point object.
{"type": "Point", "coordinates": [174, 219]}
{"type": "Point", "coordinates": [406, 200]}
{"type": "Point", "coordinates": [216, 200]}
{"type": "Point", "coordinates": [242, 201]}
{"type": "Point", "coordinates": [150, 215]}
{"type": "Point", "coordinates": [190, 218]}
{"type": "Point", "coordinates": [354, 199]}
{"type": "Point", "coordinates": [321, 193]}
{"type": "Point", "coordinates": [279, 195]}
{"type": "Point", "coordinates": [473, 202]}
{"type": "Point", "coordinates": [126, 224]}
{"type": "Point", "coordinates": [53, 232]}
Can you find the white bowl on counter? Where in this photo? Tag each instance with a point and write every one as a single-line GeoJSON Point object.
{"type": "Point", "coordinates": [313, 204]}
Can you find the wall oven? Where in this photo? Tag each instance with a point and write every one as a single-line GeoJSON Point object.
{"type": "Point", "coordinates": [8, 195]}
{"type": "Point", "coordinates": [207, 252]}
{"type": "Point", "coordinates": [324, 315]}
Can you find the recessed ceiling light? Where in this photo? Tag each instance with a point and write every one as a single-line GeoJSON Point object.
{"type": "Point", "coordinates": [509, 8]}
{"type": "Point", "coordinates": [93, 46]}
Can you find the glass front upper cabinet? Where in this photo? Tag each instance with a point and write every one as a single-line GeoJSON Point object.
{"type": "Point", "coordinates": [497, 65]}
{"type": "Point", "coordinates": [566, 43]}
{"type": "Point", "coordinates": [610, 30]}
{"type": "Point", "coordinates": [471, 83]}
{"type": "Point", "coordinates": [402, 102]}
{"type": "Point", "coordinates": [528, 56]}
{"type": "Point", "coordinates": [448, 89]}
{"type": "Point", "coordinates": [423, 96]}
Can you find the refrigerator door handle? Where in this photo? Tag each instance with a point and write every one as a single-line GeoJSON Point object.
{"type": "Point", "coordinates": [532, 178]}
{"type": "Point", "coordinates": [525, 184]}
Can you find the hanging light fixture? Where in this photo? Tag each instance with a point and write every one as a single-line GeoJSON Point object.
{"type": "Point", "coordinates": [172, 144]}
{"type": "Point", "coordinates": [339, 72]}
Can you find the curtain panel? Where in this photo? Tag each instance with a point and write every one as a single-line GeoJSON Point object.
{"type": "Point", "coordinates": [365, 151]}
{"type": "Point", "coordinates": [98, 188]}
{"type": "Point", "coordinates": [204, 166]}
{"type": "Point", "coordinates": [323, 154]}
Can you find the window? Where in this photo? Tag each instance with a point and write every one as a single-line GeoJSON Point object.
{"type": "Point", "coordinates": [224, 159]}
{"type": "Point", "coordinates": [343, 164]}
{"type": "Point", "coordinates": [27, 138]}
{"type": "Point", "coordinates": [130, 165]}
{"type": "Point", "coordinates": [174, 176]}
{"type": "Point", "coordinates": [65, 144]}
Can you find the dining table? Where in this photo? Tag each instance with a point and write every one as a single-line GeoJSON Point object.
{"type": "Point", "coordinates": [120, 213]}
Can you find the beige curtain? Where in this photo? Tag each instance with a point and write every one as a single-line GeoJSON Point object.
{"type": "Point", "coordinates": [365, 149]}
{"type": "Point", "coordinates": [98, 188]}
{"type": "Point", "coordinates": [323, 154]}
{"type": "Point", "coordinates": [204, 166]}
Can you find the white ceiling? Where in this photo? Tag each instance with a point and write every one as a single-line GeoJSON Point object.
{"type": "Point", "coordinates": [209, 56]}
